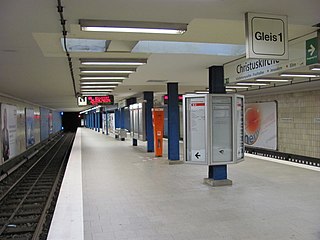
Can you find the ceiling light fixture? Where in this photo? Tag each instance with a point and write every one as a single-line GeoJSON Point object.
{"type": "Point", "coordinates": [244, 87]}
{"type": "Point", "coordinates": [103, 78]}
{"type": "Point", "coordinates": [96, 90]}
{"type": "Point", "coordinates": [230, 90]}
{"type": "Point", "coordinates": [95, 83]}
{"type": "Point", "coordinates": [101, 86]}
{"type": "Point", "coordinates": [272, 80]}
{"type": "Point", "coordinates": [132, 27]}
{"type": "Point", "coordinates": [201, 92]}
{"type": "Point", "coordinates": [95, 94]}
{"type": "Point", "coordinates": [251, 84]}
{"type": "Point", "coordinates": [114, 62]}
{"type": "Point", "coordinates": [106, 71]}
{"type": "Point", "coordinates": [302, 75]}
{"type": "Point", "coordinates": [315, 68]}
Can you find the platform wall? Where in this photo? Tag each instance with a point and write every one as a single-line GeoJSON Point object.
{"type": "Point", "coordinates": [298, 121]}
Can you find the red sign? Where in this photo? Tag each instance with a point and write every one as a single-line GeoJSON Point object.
{"type": "Point", "coordinates": [101, 100]}
{"type": "Point", "coordinates": [166, 98]}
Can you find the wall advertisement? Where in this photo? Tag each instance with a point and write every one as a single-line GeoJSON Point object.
{"type": "Point", "coordinates": [8, 131]}
{"type": "Point", "coordinates": [261, 125]}
{"type": "Point", "coordinates": [30, 139]}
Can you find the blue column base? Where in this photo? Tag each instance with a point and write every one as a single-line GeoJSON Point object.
{"type": "Point", "coordinates": [134, 142]}
{"type": "Point", "coordinates": [218, 172]}
{"type": "Point", "coordinates": [217, 176]}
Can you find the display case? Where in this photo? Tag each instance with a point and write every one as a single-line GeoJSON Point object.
{"type": "Point", "coordinates": [137, 121]}
{"type": "Point", "coordinates": [213, 128]}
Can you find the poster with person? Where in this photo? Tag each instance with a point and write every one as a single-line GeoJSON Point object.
{"type": "Point", "coordinates": [30, 139]}
{"type": "Point", "coordinates": [8, 131]}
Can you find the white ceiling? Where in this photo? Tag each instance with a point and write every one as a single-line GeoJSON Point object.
{"type": "Point", "coordinates": [33, 66]}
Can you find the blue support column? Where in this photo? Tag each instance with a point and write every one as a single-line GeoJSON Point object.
{"type": "Point", "coordinates": [148, 97]}
{"type": "Point", "coordinates": [90, 118]}
{"type": "Point", "coordinates": [92, 125]}
{"type": "Point", "coordinates": [122, 118]}
{"type": "Point", "coordinates": [216, 85]}
{"type": "Point", "coordinates": [173, 121]}
{"type": "Point", "coordinates": [98, 121]}
{"type": "Point", "coordinates": [117, 118]}
{"type": "Point", "coordinates": [87, 120]}
{"type": "Point", "coordinates": [95, 121]}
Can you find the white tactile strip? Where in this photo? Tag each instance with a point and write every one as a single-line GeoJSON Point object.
{"type": "Point", "coordinates": [67, 222]}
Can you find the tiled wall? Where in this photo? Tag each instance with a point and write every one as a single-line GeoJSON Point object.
{"type": "Point", "coordinates": [298, 122]}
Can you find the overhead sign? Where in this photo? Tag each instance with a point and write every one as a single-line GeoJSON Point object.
{"type": "Point", "coordinates": [266, 36]}
{"type": "Point", "coordinates": [246, 69]}
{"type": "Point", "coordinates": [312, 51]}
{"type": "Point", "coordinates": [82, 101]}
{"type": "Point", "coordinates": [100, 100]}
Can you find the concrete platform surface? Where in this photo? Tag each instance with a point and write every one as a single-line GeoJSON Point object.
{"type": "Point", "coordinates": [130, 194]}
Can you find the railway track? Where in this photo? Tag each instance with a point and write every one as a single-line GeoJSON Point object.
{"type": "Point", "coordinates": [26, 204]}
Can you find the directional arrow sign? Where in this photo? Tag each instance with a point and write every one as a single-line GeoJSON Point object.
{"type": "Point", "coordinates": [197, 155]}
{"type": "Point", "coordinates": [312, 51]}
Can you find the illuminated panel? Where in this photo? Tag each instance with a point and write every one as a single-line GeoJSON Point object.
{"type": "Point", "coordinates": [101, 100]}
{"type": "Point", "coordinates": [166, 98]}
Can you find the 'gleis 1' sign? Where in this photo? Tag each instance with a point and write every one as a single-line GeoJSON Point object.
{"type": "Point", "coordinates": [266, 36]}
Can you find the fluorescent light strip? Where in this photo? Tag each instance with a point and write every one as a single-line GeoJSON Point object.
{"type": "Point", "coordinates": [252, 84]}
{"type": "Point", "coordinates": [98, 83]}
{"type": "Point", "coordinates": [299, 75]}
{"type": "Point", "coordinates": [97, 90]}
{"type": "Point", "coordinates": [315, 68]}
{"type": "Point", "coordinates": [106, 71]}
{"type": "Point", "coordinates": [101, 86]}
{"type": "Point", "coordinates": [231, 87]}
{"type": "Point", "coordinates": [272, 80]}
{"type": "Point", "coordinates": [132, 30]}
{"type": "Point", "coordinates": [201, 92]}
{"type": "Point", "coordinates": [113, 63]}
{"type": "Point", "coordinates": [90, 109]}
{"type": "Point", "coordinates": [102, 78]}
{"type": "Point", "coordinates": [95, 94]}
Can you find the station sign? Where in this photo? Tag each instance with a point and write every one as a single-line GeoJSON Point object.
{"type": "Point", "coordinates": [312, 51]}
{"type": "Point", "coordinates": [100, 100]}
{"type": "Point", "coordinates": [82, 101]}
{"type": "Point", "coordinates": [246, 69]}
{"type": "Point", "coordinates": [266, 36]}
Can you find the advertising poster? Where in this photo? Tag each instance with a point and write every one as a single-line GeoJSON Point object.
{"type": "Point", "coordinates": [261, 125]}
{"type": "Point", "coordinates": [50, 123]}
{"type": "Point", "coordinates": [8, 131]}
{"type": "Point", "coordinates": [30, 140]}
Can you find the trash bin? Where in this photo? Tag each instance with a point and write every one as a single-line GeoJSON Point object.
{"type": "Point", "coordinates": [123, 134]}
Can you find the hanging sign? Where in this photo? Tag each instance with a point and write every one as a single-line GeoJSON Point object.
{"type": "Point", "coordinates": [266, 36]}
{"type": "Point", "coordinates": [82, 101]}
{"type": "Point", "coordinates": [100, 100]}
{"type": "Point", "coordinates": [245, 69]}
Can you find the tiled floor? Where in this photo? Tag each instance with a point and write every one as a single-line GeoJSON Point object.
{"type": "Point", "coordinates": [129, 194]}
